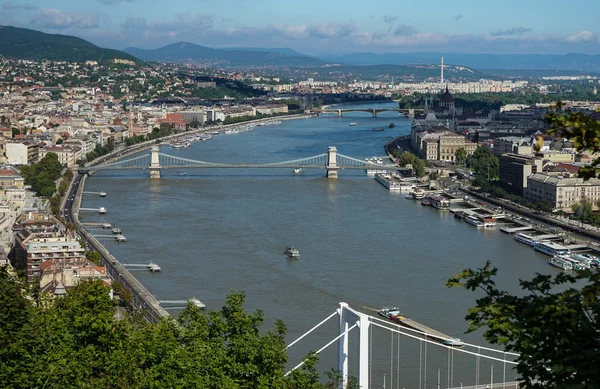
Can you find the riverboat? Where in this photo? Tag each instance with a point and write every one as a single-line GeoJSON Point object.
{"type": "Point", "coordinates": [524, 238]}
{"type": "Point", "coordinates": [102, 194]}
{"type": "Point", "coordinates": [392, 125]}
{"type": "Point", "coordinates": [106, 226]}
{"type": "Point", "coordinates": [394, 315]}
{"type": "Point", "coordinates": [474, 221]}
{"type": "Point", "coordinates": [121, 238]}
{"type": "Point", "coordinates": [560, 263]}
{"type": "Point", "coordinates": [352, 124]}
{"type": "Point", "coordinates": [291, 252]}
{"type": "Point", "coordinates": [204, 137]}
{"type": "Point", "coordinates": [459, 215]}
{"type": "Point", "coordinates": [550, 248]}
{"type": "Point", "coordinates": [212, 132]}
{"type": "Point", "coordinates": [102, 211]}
{"type": "Point", "coordinates": [153, 267]}
{"type": "Point", "coordinates": [426, 202]}
{"type": "Point", "coordinates": [379, 129]}
{"type": "Point", "coordinates": [417, 194]}
{"type": "Point", "coordinates": [298, 171]}
{"type": "Point", "coordinates": [440, 203]}
{"type": "Point", "coordinates": [116, 231]}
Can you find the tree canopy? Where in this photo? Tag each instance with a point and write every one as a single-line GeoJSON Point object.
{"type": "Point", "coordinates": [43, 174]}
{"type": "Point", "coordinates": [484, 163]}
{"type": "Point", "coordinates": [78, 341]}
{"type": "Point", "coordinates": [553, 325]}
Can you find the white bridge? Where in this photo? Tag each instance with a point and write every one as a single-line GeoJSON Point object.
{"type": "Point", "coordinates": [156, 160]}
{"type": "Point", "coordinates": [476, 363]}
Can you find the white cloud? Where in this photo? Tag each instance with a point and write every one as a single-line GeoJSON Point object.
{"type": "Point", "coordinates": [54, 19]}
{"type": "Point", "coordinates": [582, 37]}
{"type": "Point", "coordinates": [25, 6]}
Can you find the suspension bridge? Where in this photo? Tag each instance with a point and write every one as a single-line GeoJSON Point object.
{"type": "Point", "coordinates": [156, 160]}
{"type": "Point", "coordinates": [410, 112]}
{"type": "Point", "coordinates": [438, 366]}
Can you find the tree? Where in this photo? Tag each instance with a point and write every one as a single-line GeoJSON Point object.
{"type": "Point", "coordinates": [544, 205]}
{"type": "Point", "coordinates": [553, 325]}
{"type": "Point", "coordinates": [59, 141]}
{"type": "Point", "coordinates": [581, 129]}
{"type": "Point", "coordinates": [460, 156]}
{"type": "Point", "coordinates": [484, 163]}
{"type": "Point", "coordinates": [419, 167]}
{"type": "Point", "coordinates": [583, 210]}
{"type": "Point", "coordinates": [95, 257]}
{"type": "Point", "coordinates": [406, 158]}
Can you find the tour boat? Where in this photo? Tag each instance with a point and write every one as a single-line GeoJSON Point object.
{"type": "Point", "coordinates": [291, 252]}
{"type": "Point", "coordinates": [560, 263]}
{"type": "Point", "coordinates": [524, 238]}
{"type": "Point", "coordinates": [550, 248]}
{"type": "Point", "coordinates": [388, 312]}
{"type": "Point", "coordinates": [474, 221]}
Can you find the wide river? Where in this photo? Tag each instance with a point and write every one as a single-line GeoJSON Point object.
{"type": "Point", "coordinates": [216, 230]}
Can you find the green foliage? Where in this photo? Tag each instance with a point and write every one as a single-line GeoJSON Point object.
{"type": "Point", "coordinates": [77, 342]}
{"type": "Point", "coordinates": [581, 129]}
{"type": "Point", "coordinates": [406, 158]}
{"type": "Point", "coordinates": [135, 140]}
{"type": "Point", "coordinates": [544, 205]}
{"type": "Point", "coordinates": [484, 163]}
{"type": "Point", "coordinates": [30, 44]}
{"type": "Point", "coordinates": [419, 167]}
{"type": "Point", "coordinates": [94, 256]}
{"type": "Point", "coordinates": [553, 325]}
{"type": "Point", "coordinates": [583, 210]}
{"type": "Point", "coordinates": [461, 156]}
{"type": "Point", "coordinates": [101, 150]}
{"type": "Point", "coordinates": [42, 175]}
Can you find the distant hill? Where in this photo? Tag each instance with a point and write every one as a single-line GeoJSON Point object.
{"type": "Point", "coordinates": [24, 43]}
{"type": "Point", "coordinates": [279, 50]}
{"type": "Point", "coordinates": [575, 62]}
{"type": "Point", "coordinates": [184, 51]}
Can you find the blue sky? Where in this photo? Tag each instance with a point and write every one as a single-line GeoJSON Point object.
{"type": "Point", "coordinates": [322, 26]}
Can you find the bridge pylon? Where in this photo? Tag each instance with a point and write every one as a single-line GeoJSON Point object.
{"type": "Point", "coordinates": [332, 166]}
{"type": "Point", "coordinates": [155, 162]}
{"type": "Point", "coordinates": [374, 112]}
{"type": "Point", "coordinates": [340, 114]}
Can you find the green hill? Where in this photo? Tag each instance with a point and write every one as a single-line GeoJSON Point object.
{"type": "Point", "coordinates": [24, 43]}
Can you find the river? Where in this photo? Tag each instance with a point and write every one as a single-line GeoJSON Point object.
{"type": "Point", "coordinates": [217, 230]}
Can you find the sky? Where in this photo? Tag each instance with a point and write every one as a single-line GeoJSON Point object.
{"type": "Point", "coordinates": [323, 26]}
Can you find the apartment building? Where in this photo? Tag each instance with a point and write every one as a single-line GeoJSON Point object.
{"type": "Point", "coordinates": [562, 190]}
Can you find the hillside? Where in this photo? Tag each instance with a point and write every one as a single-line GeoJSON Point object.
{"type": "Point", "coordinates": [184, 51]}
{"type": "Point", "coordinates": [24, 43]}
{"type": "Point", "coordinates": [574, 62]}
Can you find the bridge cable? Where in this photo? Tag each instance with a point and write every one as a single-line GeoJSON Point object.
{"type": "Point", "coordinates": [392, 362]}
{"type": "Point", "coordinates": [398, 365]}
{"type": "Point", "coordinates": [420, 363]}
{"type": "Point", "coordinates": [425, 367]}
{"type": "Point", "coordinates": [452, 371]}
{"type": "Point", "coordinates": [477, 365]}
{"type": "Point", "coordinates": [448, 368]}
{"type": "Point", "coordinates": [504, 374]}
{"type": "Point", "coordinates": [370, 354]}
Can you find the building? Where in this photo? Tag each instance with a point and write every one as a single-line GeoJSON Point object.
{"type": "Point", "coordinates": [272, 109]}
{"type": "Point", "coordinates": [67, 155]}
{"type": "Point", "coordinates": [516, 168]}
{"type": "Point", "coordinates": [21, 153]}
{"type": "Point", "coordinates": [173, 119]}
{"type": "Point", "coordinates": [193, 116]}
{"type": "Point", "coordinates": [513, 145]}
{"type": "Point", "coordinates": [439, 144]}
{"type": "Point", "coordinates": [9, 178]}
{"type": "Point", "coordinates": [562, 190]}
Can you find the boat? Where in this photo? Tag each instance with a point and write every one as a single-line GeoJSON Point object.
{"type": "Point", "coordinates": [121, 238]}
{"type": "Point", "coordinates": [233, 131]}
{"type": "Point", "coordinates": [560, 263]}
{"type": "Point", "coordinates": [352, 124]}
{"type": "Point", "coordinates": [388, 312]}
{"type": "Point", "coordinates": [426, 202]}
{"type": "Point", "coordinates": [116, 231]}
{"type": "Point", "coordinates": [183, 174]}
{"type": "Point", "coordinates": [102, 194]}
{"type": "Point", "coordinates": [474, 221]}
{"type": "Point", "coordinates": [204, 137]}
{"type": "Point", "coordinates": [291, 252]}
{"type": "Point", "coordinates": [178, 145]}
{"type": "Point", "coordinates": [418, 194]}
{"type": "Point", "coordinates": [459, 215]}
{"type": "Point", "coordinates": [392, 125]}
{"type": "Point", "coordinates": [212, 132]}
{"type": "Point", "coordinates": [577, 262]}
{"type": "Point", "coordinates": [394, 315]}
{"type": "Point", "coordinates": [102, 210]}
{"type": "Point", "coordinates": [153, 267]}
{"type": "Point", "coordinates": [106, 226]}
{"type": "Point", "coordinates": [297, 170]}
{"type": "Point", "coordinates": [550, 248]}
{"type": "Point", "coordinates": [440, 203]}
{"type": "Point", "coordinates": [379, 129]}
{"type": "Point", "coordinates": [524, 238]}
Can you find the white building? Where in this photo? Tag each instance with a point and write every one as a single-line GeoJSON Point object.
{"type": "Point", "coordinates": [67, 155]}
{"type": "Point", "coordinates": [16, 154]}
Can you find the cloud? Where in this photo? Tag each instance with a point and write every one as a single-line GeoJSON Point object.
{"type": "Point", "coordinates": [52, 18]}
{"type": "Point", "coordinates": [25, 6]}
{"type": "Point", "coordinates": [585, 36]}
{"type": "Point", "coordinates": [458, 17]}
{"type": "Point", "coordinates": [389, 19]}
{"type": "Point", "coordinates": [511, 31]}
{"type": "Point", "coordinates": [180, 23]}
{"type": "Point", "coordinates": [405, 30]}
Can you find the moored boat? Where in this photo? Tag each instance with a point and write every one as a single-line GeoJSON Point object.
{"type": "Point", "coordinates": [524, 238]}
{"type": "Point", "coordinates": [426, 202]}
{"type": "Point", "coordinates": [560, 263]}
{"type": "Point", "coordinates": [474, 221]}
{"type": "Point", "coordinates": [550, 248]}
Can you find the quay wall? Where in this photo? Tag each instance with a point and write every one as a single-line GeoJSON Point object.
{"type": "Point", "coordinates": [142, 298]}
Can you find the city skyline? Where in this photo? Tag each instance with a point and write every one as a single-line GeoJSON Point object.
{"type": "Point", "coordinates": [320, 27]}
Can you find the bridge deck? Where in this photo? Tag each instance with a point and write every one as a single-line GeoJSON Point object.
{"type": "Point", "coordinates": [499, 385]}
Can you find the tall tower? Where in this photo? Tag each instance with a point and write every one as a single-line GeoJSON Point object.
{"type": "Point", "coordinates": [442, 72]}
